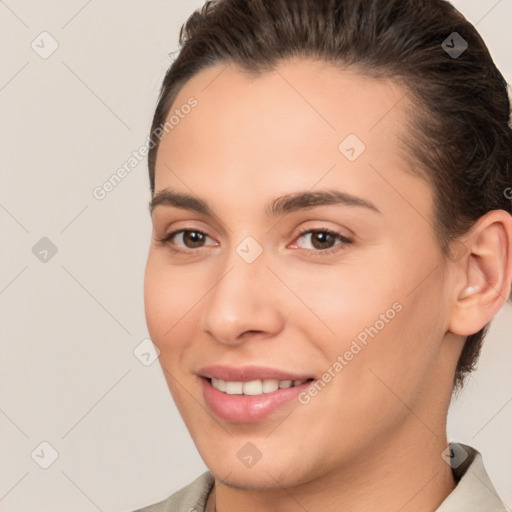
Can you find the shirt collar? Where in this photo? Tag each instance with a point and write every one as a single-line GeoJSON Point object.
{"type": "Point", "coordinates": [474, 490]}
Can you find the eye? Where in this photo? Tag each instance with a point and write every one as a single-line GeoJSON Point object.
{"type": "Point", "coordinates": [185, 239]}
{"type": "Point", "coordinates": [320, 240]}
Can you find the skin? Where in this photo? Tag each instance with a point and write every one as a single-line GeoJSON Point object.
{"type": "Point", "coordinates": [373, 437]}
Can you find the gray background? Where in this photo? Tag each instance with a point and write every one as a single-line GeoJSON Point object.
{"type": "Point", "coordinates": [69, 325]}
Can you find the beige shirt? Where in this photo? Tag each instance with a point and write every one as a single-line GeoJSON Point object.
{"type": "Point", "coordinates": [473, 493]}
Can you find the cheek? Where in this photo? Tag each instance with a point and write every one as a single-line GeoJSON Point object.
{"type": "Point", "coordinates": [169, 306]}
{"type": "Point", "coordinates": [170, 295]}
{"type": "Point", "coordinates": [342, 300]}
{"type": "Point", "coordinates": [367, 315]}
{"type": "Point", "coordinates": [398, 356]}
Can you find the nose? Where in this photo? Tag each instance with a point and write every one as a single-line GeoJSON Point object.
{"type": "Point", "coordinates": [242, 304]}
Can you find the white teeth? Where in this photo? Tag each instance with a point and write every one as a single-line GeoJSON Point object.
{"type": "Point", "coordinates": [253, 387]}
{"type": "Point", "coordinates": [234, 388]}
{"type": "Point", "coordinates": [270, 385]}
{"type": "Point", "coordinates": [219, 384]}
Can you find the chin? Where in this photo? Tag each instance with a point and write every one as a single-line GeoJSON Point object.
{"type": "Point", "coordinates": [256, 479]}
{"type": "Point", "coordinates": [275, 470]}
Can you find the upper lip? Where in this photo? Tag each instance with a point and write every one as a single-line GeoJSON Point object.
{"type": "Point", "coordinates": [248, 373]}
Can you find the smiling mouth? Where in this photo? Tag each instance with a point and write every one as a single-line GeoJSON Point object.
{"type": "Point", "coordinates": [254, 387]}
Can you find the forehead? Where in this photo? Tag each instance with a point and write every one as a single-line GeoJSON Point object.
{"type": "Point", "coordinates": [301, 105]}
{"type": "Point", "coordinates": [286, 128]}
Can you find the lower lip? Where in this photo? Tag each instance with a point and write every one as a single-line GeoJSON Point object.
{"type": "Point", "coordinates": [247, 408]}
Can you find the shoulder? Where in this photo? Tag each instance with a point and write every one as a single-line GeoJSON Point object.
{"type": "Point", "coordinates": [191, 498]}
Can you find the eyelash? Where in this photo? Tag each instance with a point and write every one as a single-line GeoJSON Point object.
{"type": "Point", "coordinates": [166, 239]}
{"type": "Point", "coordinates": [321, 252]}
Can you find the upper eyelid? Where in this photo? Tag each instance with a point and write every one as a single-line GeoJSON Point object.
{"type": "Point", "coordinates": [333, 231]}
{"type": "Point", "coordinates": [320, 230]}
{"type": "Point", "coordinates": [179, 225]}
{"type": "Point", "coordinates": [300, 233]}
{"type": "Point", "coordinates": [160, 217]}
{"type": "Point", "coordinates": [344, 239]}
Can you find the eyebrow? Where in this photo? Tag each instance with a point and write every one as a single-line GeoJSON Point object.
{"type": "Point", "coordinates": [281, 206]}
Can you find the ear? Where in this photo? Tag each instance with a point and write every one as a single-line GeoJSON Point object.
{"type": "Point", "coordinates": [483, 274]}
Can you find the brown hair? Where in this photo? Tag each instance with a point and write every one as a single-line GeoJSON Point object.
{"type": "Point", "coordinates": [460, 139]}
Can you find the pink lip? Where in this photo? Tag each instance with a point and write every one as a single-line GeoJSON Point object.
{"type": "Point", "coordinates": [247, 408]}
{"type": "Point", "coordinates": [248, 373]}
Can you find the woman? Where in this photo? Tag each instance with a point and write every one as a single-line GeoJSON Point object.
{"type": "Point", "coordinates": [332, 230]}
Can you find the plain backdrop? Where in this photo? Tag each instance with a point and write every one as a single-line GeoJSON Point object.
{"type": "Point", "coordinates": [71, 269]}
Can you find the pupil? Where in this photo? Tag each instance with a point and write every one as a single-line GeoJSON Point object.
{"type": "Point", "coordinates": [193, 239]}
{"type": "Point", "coordinates": [322, 240]}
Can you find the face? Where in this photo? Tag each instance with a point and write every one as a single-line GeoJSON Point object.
{"type": "Point", "coordinates": [292, 242]}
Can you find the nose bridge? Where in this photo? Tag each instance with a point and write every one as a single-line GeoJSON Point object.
{"type": "Point", "coordinates": [241, 299]}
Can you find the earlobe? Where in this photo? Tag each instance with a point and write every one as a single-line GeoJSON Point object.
{"type": "Point", "coordinates": [484, 273]}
